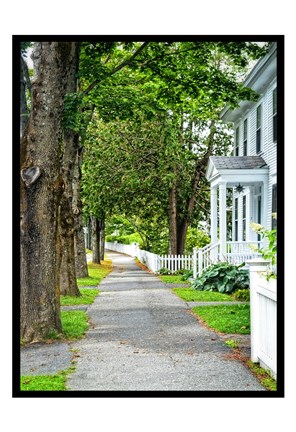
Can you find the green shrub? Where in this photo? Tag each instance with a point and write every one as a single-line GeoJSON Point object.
{"type": "Point", "coordinates": [125, 239]}
{"type": "Point", "coordinates": [242, 295]}
{"type": "Point", "coordinates": [164, 271]}
{"type": "Point", "coordinates": [183, 272]}
{"type": "Point", "coordinates": [222, 277]}
{"type": "Point", "coordinates": [187, 274]}
{"type": "Point", "coordinates": [195, 238]}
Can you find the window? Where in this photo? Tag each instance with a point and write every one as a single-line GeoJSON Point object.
{"type": "Point", "coordinates": [274, 205]}
{"type": "Point", "coordinates": [245, 137]}
{"type": "Point", "coordinates": [258, 129]}
{"type": "Point", "coordinates": [236, 219]}
{"type": "Point", "coordinates": [236, 147]}
{"type": "Point", "coordinates": [244, 218]}
{"type": "Point", "coordinates": [274, 114]}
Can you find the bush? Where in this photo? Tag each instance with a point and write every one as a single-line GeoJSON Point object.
{"type": "Point", "coordinates": [195, 238]}
{"type": "Point", "coordinates": [222, 277]}
{"type": "Point", "coordinates": [187, 274]}
{"type": "Point", "coordinates": [125, 239]}
{"type": "Point", "coordinates": [242, 295]}
{"type": "Point", "coordinates": [165, 272]}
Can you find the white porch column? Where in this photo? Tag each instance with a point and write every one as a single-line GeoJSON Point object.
{"type": "Point", "coordinates": [214, 215]}
{"type": "Point", "coordinates": [222, 219]}
{"type": "Point", "coordinates": [250, 214]}
{"type": "Point", "coordinates": [265, 222]}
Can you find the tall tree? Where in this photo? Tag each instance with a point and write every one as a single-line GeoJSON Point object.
{"type": "Point", "coordinates": [25, 86]}
{"type": "Point", "coordinates": [41, 188]}
{"type": "Point", "coordinates": [187, 83]}
{"type": "Point", "coordinates": [68, 282]}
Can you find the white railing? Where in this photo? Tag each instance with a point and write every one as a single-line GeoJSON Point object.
{"type": "Point", "coordinates": [205, 257]}
{"type": "Point", "coordinates": [263, 303]}
{"type": "Point", "coordinates": [238, 252]}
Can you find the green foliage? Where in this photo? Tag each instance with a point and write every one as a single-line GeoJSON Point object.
{"type": "Point", "coordinates": [96, 273]}
{"type": "Point", "coordinates": [242, 295]}
{"type": "Point", "coordinates": [148, 232]}
{"type": "Point", "coordinates": [222, 277]}
{"type": "Point", "coordinates": [263, 376]}
{"type": "Point", "coordinates": [125, 239]}
{"type": "Point", "coordinates": [165, 271]}
{"type": "Point", "coordinates": [232, 343]}
{"type": "Point", "coordinates": [74, 324]}
{"type": "Point", "coordinates": [187, 275]}
{"type": "Point", "coordinates": [56, 382]}
{"type": "Point", "coordinates": [87, 297]}
{"type": "Point", "coordinates": [189, 294]}
{"type": "Point", "coordinates": [269, 253]}
{"type": "Point", "coordinates": [24, 46]}
{"type": "Point", "coordinates": [72, 117]}
{"type": "Point", "coordinates": [233, 319]}
{"type": "Point", "coordinates": [150, 126]}
{"type": "Point", "coordinates": [172, 278]}
{"type": "Point", "coordinates": [195, 238]}
{"type": "Point", "coordinates": [43, 383]}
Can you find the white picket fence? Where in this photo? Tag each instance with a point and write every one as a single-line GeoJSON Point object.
{"type": "Point", "coordinates": [263, 304]}
{"type": "Point", "coordinates": [175, 262]}
{"type": "Point", "coordinates": [236, 253]}
{"type": "Point", "coordinates": [153, 261]}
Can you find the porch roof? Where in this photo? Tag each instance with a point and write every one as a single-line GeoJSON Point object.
{"type": "Point", "coordinates": [225, 167]}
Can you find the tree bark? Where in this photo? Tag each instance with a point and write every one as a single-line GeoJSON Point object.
{"type": "Point", "coordinates": [23, 99]}
{"type": "Point", "coordinates": [89, 238]}
{"type": "Point", "coordinates": [79, 242]}
{"type": "Point", "coordinates": [71, 142]}
{"type": "Point", "coordinates": [102, 246]}
{"type": "Point", "coordinates": [95, 240]}
{"type": "Point", "coordinates": [40, 191]}
{"type": "Point", "coordinates": [173, 220]}
{"type": "Point", "coordinates": [178, 227]}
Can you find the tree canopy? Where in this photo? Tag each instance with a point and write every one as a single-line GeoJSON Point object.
{"type": "Point", "coordinates": [155, 124]}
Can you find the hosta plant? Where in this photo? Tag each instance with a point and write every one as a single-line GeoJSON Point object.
{"type": "Point", "coordinates": [222, 277]}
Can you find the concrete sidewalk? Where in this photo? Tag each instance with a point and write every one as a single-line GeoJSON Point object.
{"type": "Point", "coordinates": [143, 337]}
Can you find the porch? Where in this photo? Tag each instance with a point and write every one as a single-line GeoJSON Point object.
{"type": "Point", "coordinates": [247, 179]}
{"type": "Point", "coordinates": [235, 253]}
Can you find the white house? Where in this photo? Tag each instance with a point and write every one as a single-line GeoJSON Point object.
{"type": "Point", "coordinates": [251, 172]}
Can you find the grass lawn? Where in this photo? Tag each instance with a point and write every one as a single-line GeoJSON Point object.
{"type": "Point", "coordinates": [74, 324]}
{"type": "Point", "coordinates": [226, 319]}
{"type": "Point", "coordinates": [190, 294]}
{"type": "Point", "coordinates": [43, 382]}
{"type": "Point", "coordinates": [87, 297]}
{"type": "Point", "coordinates": [172, 279]}
{"type": "Point", "coordinates": [96, 273]}
{"type": "Point", "coordinates": [55, 382]}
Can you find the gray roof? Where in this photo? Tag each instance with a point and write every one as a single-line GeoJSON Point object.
{"type": "Point", "coordinates": [238, 162]}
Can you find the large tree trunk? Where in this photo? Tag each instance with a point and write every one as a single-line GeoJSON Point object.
{"type": "Point", "coordinates": [102, 246]}
{"type": "Point", "coordinates": [40, 191]}
{"type": "Point", "coordinates": [96, 240]}
{"type": "Point", "coordinates": [71, 142]}
{"type": "Point", "coordinates": [182, 224]}
{"type": "Point", "coordinates": [23, 99]}
{"type": "Point", "coordinates": [79, 242]}
{"type": "Point", "coordinates": [173, 220]}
